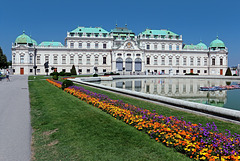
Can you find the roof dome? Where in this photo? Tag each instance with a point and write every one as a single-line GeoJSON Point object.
{"type": "Point", "coordinates": [25, 39]}
{"type": "Point", "coordinates": [217, 44]}
{"type": "Point", "coordinates": [202, 45]}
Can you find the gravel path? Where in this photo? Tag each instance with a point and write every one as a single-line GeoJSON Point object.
{"type": "Point", "coordinates": [15, 127]}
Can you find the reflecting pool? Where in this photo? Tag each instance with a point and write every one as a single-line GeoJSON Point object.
{"type": "Point", "coordinates": [186, 89]}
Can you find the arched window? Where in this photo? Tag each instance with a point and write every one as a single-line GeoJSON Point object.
{"type": "Point", "coordinates": [138, 64]}
{"type": "Point", "coordinates": [128, 64]}
{"type": "Point", "coordinates": [119, 64]}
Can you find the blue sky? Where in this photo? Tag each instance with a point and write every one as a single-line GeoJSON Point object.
{"type": "Point", "coordinates": [48, 20]}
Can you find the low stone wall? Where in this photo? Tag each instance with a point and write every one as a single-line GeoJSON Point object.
{"type": "Point", "coordinates": [218, 111]}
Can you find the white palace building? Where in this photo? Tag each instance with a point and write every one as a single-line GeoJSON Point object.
{"type": "Point", "coordinates": [120, 50]}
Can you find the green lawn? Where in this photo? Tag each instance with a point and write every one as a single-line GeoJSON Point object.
{"type": "Point", "coordinates": [66, 128]}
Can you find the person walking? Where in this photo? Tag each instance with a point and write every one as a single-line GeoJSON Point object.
{"type": "Point", "coordinates": [7, 75]}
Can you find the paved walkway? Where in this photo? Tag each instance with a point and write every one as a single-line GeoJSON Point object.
{"type": "Point", "coordinates": [15, 128]}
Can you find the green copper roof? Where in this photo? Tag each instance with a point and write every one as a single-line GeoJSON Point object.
{"type": "Point", "coordinates": [158, 32]}
{"type": "Point", "coordinates": [34, 42]}
{"type": "Point", "coordinates": [217, 44]}
{"type": "Point", "coordinates": [191, 47]}
{"type": "Point", "coordinates": [122, 30]}
{"type": "Point", "coordinates": [25, 39]}
{"type": "Point", "coordinates": [202, 45]}
{"type": "Point", "coordinates": [89, 30]}
{"type": "Point", "coordinates": [50, 44]}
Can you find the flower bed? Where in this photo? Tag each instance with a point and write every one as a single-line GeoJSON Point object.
{"type": "Point", "coordinates": [196, 141]}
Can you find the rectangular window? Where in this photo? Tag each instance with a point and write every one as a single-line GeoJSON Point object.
{"type": "Point", "coordinates": [148, 47]}
{"type": "Point", "coordinates": [31, 70]}
{"type": "Point", "coordinates": [31, 59]}
{"type": "Point", "coordinates": [63, 59]}
{"type": "Point", "coordinates": [88, 35]}
{"type": "Point", "coordinates": [46, 58]}
{"type": "Point", "coordinates": [71, 45]}
{"type": "Point", "coordinates": [184, 61]}
{"type": "Point", "coordinates": [88, 60]}
{"type": "Point", "coordinates": [221, 61]}
{"type": "Point", "coordinates": [128, 54]}
{"type": "Point", "coordinates": [213, 61]}
{"type": "Point", "coordinates": [155, 61]}
{"type": "Point", "coordinates": [104, 60]}
{"type": "Point", "coordinates": [96, 45]}
{"type": "Point", "coordinates": [177, 61]}
{"type": "Point", "coordinates": [96, 60]}
{"type": "Point", "coordinates": [191, 61]}
{"type": "Point", "coordinates": [177, 47]}
{"type": "Point", "coordinates": [14, 59]}
{"type": "Point", "coordinates": [177, 71]}
{"type": "Point", "coordinates": [163, 47]}
{"type": "Point", "coordinates": [88, 45]}
{"type": "Point", "coordinates": [104, 70]}
{"type": "Point", "coordinates": [38, 60]}
{"type": "Point", "coordinates": [80, 45]}
{"type": "Point", "coordinates": [205, 61]}
{"type": "Point", "coordinates": [71, 59]}
{"type": "Point", "coordinates": [104, 46]}
{"type": "Point", "coordinates": [88, 70]}
{"type": "Point", "coordinates": [184, 71]}
{"type": "Point", "coordinates": [148, 61]}
{"type": "Point", "coordinates": [64, 70]}
{"type": "Point", "coordinates": [54, 59]}
{"type": "Point", "coordinates": [163, 61]}
{"type": "Point", "coordinates": [205, 71]}
{"type": "Point", "coordinates": [138, 54]}
{"type": "Point", "coordinates": [79, 60]}
{"type": "Point", "coordinates": [198, 71]}
{"type": "Point", "coordinates": [170, 61]}
{"type": "Point", "coordinates": [170, 47]}
{"type": "Point", "coordinates": [38, 70]}
{"type": "Point", "coordinates": [155, 47]}
{"type": "Point", "coordinates": [199, 61]}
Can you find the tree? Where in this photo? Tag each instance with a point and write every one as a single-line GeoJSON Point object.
{"type": "Point", "coordinates": [228, 72]}
{"type": "Point", "coordinates": [3, 60]}
{"type": "Point", "coordinates": [73, 70]}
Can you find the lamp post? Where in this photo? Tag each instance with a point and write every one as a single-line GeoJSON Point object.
{"type": "Point", "coordinates": [35, 66]}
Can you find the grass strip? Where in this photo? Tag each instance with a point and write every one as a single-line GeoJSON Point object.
{"type": "Point", "coordinates": [196, 141]}
{"type": "Point", "coordinates": [68, 129]}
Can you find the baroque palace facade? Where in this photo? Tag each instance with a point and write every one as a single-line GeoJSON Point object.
{"type": "Point", "coordinates": [120, 50]}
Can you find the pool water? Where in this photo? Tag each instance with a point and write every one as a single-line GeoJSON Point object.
{"type": "Point", "coordinates": [186, 89]}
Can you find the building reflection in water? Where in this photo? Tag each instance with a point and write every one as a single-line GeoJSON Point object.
{"type": "Point", "coordinates": [187, 89]}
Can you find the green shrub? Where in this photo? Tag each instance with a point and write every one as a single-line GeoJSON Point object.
{"type": "Point", "coordinates": [68, 74]}
{"type": "Point", "coordinates": [111, 73]}
{"type": "Point", "coordinates": [191, 74]}
{"type": "Point", "coordinates": [73, 70]}
{"type": "Point", "coordinates": [228, 83]}
{"type": "Point", "coordinates": [95, 75]}
{"type": "Point", "coordinates": [228, 72]}
{"type": "Point", "coordinates": [62, 73]}
{"type": "Point", "coordinates": [54, 73]}
{"type": "Point", "coordinates": [66, 83]}
{"type": "Point", "coordinates": [55, 77]}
